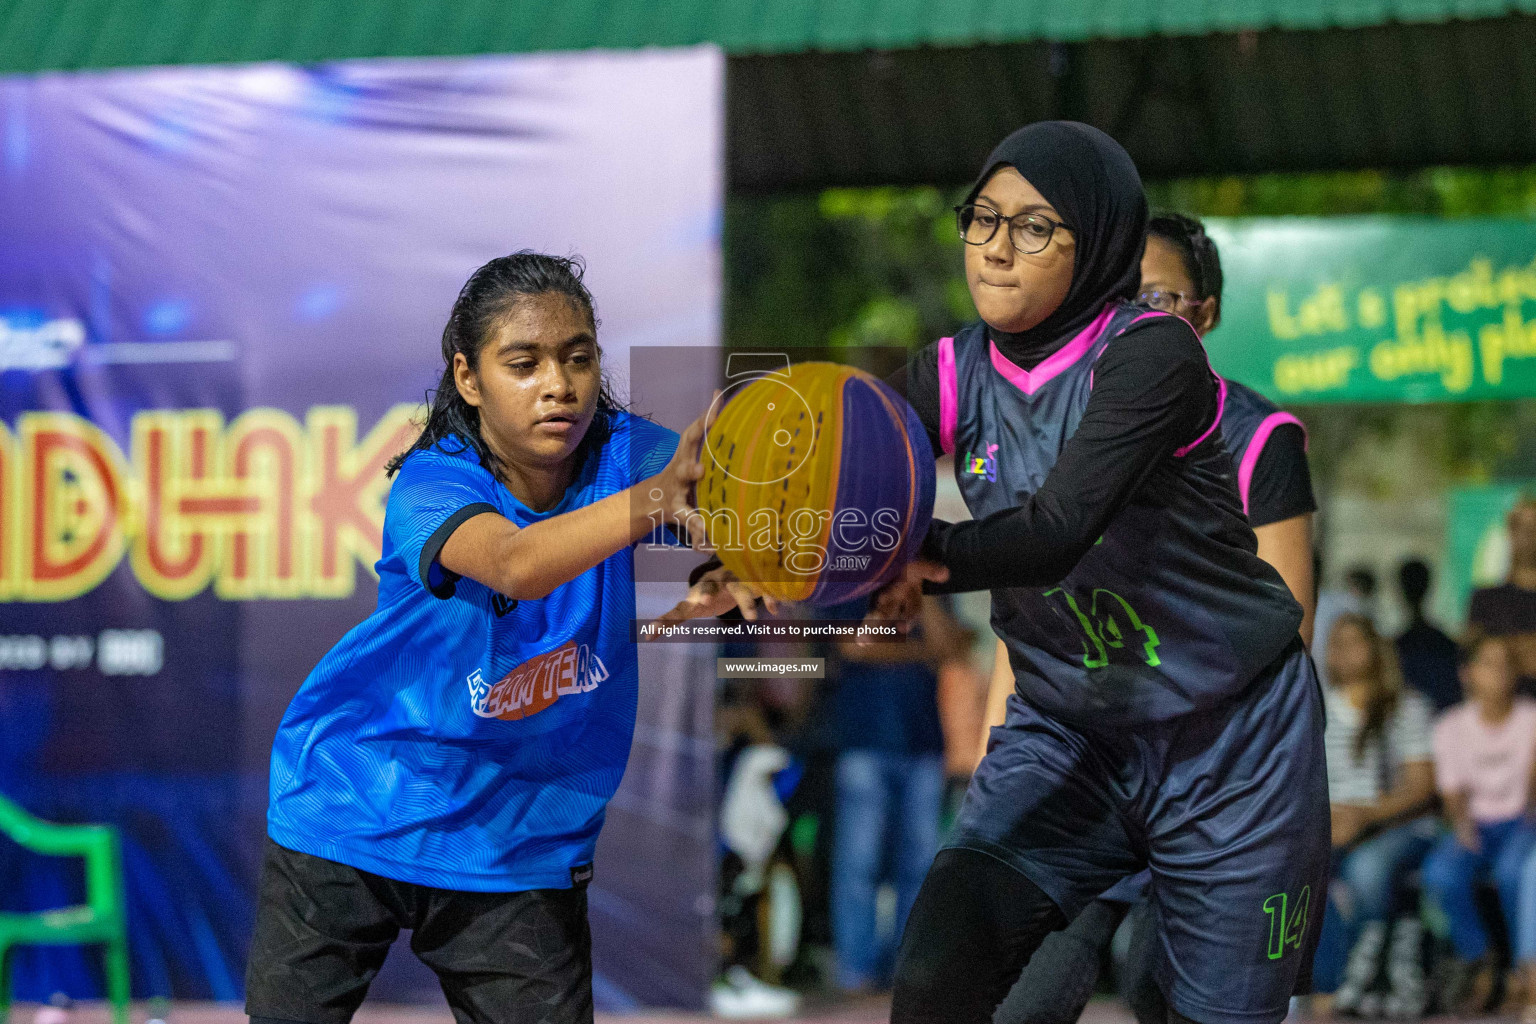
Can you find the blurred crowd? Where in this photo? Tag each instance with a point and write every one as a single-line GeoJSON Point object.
{"type": "Point", "coordinates": [1431, 746]}
{"type": "Point", "coordinates": [836, 794]}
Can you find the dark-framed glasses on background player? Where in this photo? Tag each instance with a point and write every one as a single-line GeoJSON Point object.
{"type": "Point", "coordinates": [1168, 302]}
{"type": "Point", "coordinates": [1029, 232]}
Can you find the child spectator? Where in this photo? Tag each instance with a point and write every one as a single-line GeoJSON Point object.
{"type": "Point", "coordinates": [1484, 751]}
{"type": "Point", "coordinates": [1380, 781]}
{"type": "Point", "coordinates": [1357, 596]}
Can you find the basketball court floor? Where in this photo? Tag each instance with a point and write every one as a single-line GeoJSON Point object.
{"type": "Point", "coordinates": [869, 1011]}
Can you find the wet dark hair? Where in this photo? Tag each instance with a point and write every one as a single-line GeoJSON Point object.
{"type": "Point", "coordinates": [1201, 260]}
{"type": "Point", "coordinates": [490, 294]}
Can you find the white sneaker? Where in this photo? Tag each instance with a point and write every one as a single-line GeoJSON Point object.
{"type": "Point", "coordinates": [1360, 973]}
{"type": "Point", "coordinates": [739, 995]}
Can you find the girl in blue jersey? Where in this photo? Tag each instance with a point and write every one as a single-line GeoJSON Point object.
{"type": "Point", "coordinates": [1165, 713]}
{"type": "Point", "coordinates": [446, 766]}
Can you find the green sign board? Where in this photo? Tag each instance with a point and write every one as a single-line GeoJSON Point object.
{"type": "Point", "coordinates": [1378, 309]}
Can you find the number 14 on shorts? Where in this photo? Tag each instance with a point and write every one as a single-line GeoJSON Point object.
{"type": "Point", "coordinates": [1287, 928]}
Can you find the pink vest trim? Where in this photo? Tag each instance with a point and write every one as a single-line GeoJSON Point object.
{"type": "Point", "coordinates": [949, 395]}
{"type": "Point", "coordinates": [1221, 407]}
{"type": "Point", "coordinates": [1221, 386]}
{"type": "Point", "coordinates": [1030, 381]}
{"type": "Point", "coordinates": [1256, 448]}
{"type": "Point", "coordinates": [1158, 312]}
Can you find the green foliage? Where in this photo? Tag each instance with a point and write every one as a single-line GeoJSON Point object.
{"type": "Point", "coordinates": [883, 266]}
{"type": "Point", "coordinates": [1437, 191]}
{"type": "Point", "coordinates": [848, 267]}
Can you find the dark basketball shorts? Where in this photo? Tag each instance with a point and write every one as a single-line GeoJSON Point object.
{"type": "Point", "coordinates": [323, 929]}
{"type": "Point", "coordinates": [1228, 808]}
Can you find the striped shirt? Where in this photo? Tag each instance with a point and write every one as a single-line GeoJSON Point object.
{"type": "Point", "coordinates": [1366, 779]}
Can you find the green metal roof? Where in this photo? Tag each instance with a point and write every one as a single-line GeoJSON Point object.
{"type": "Point", "coordinates": [67, 34]}
{"type": "Point", "coordinates": [849, 92]}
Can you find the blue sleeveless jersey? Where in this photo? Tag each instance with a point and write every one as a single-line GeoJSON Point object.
{"type": "Point", "coordinates": [1247, 420]}
{"type": "Point", "coordinates": [1172, 610]}
{"type": "Point", "coordinates": [456, 738]}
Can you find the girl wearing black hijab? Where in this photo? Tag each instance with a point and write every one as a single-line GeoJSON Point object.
{"type": "Point", "coordinates": [1165, 712]}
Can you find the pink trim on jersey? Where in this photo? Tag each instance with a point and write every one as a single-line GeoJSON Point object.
{"type": "Point", "coordinates": [1157, 312]}
{"type": "Point", "coordinates": [1221, 407]}
{"type": "Point", "coordinates": [949, 395]}
{"type": "Point", "coordinates": [1256, 448]}
{"type": "Point", "coordinates": [1221, 385]}
{"type": "Point", "coordinates": [1052, 365]}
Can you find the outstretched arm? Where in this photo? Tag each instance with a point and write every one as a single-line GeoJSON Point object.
{"type": "Point", "coordinates": [526, 563]}
{"type": "Point", "coordinates": [1153, 394]}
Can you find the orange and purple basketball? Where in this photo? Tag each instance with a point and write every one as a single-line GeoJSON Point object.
{"type": "Point", "coordinates": [818, 482]}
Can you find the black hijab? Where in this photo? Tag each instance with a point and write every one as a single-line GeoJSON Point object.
{"type": "Point", "coordinates": [1093, 185]}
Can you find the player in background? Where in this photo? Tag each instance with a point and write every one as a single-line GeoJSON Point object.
{"type": "Point", "coordinates": [1181, 274]}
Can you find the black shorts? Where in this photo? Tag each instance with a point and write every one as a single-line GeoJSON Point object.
{"type": "Point", "coordinates": [323, 930]}
{"type": "Point", "coordinates": [1228, 807]}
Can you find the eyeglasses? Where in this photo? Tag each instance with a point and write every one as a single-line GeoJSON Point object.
{"type": "Point", "coordinates": [1029, 232]}
{"type": "Point", "coordinates": [1166, 301]}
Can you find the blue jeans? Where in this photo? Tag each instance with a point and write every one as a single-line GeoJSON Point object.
{"type": "Point", "coordinates": [888, 808]}
{"type": "Point", "coordinates": [1367, 882]}
{"type": "Point", "coordinates": [1451, 873]}
{"type": "Point", "coordinates": [1525, 926]}
{"type": "Point", "coordinates": [1372, 872]}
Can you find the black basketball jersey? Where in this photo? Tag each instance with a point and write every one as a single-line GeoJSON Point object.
{"type": "Point", "coordinates": [1172, 609]}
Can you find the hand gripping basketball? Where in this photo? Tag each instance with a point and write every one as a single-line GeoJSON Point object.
{"type": "Point", "coordinates": [901, 601]}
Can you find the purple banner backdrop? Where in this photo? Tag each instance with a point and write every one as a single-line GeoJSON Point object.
{"type": "Point", "coordinates": [221, 292]}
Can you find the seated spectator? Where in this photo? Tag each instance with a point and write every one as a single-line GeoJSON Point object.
{"type": "Point", "coordinates": [1484, 751]}
{"type": "Point", "coordinates": [1357, 596]}
{"type": "Point", "coordinates": [1509, 610]}
{"type": "Point", "coordinates": [890, 786]}
{"type": "Point", "coordinates": [1426, 654]}
{"type": "Point", "coordinates": [1380, 784]}
{"type": "Point", "coordinates": [758, 776]}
